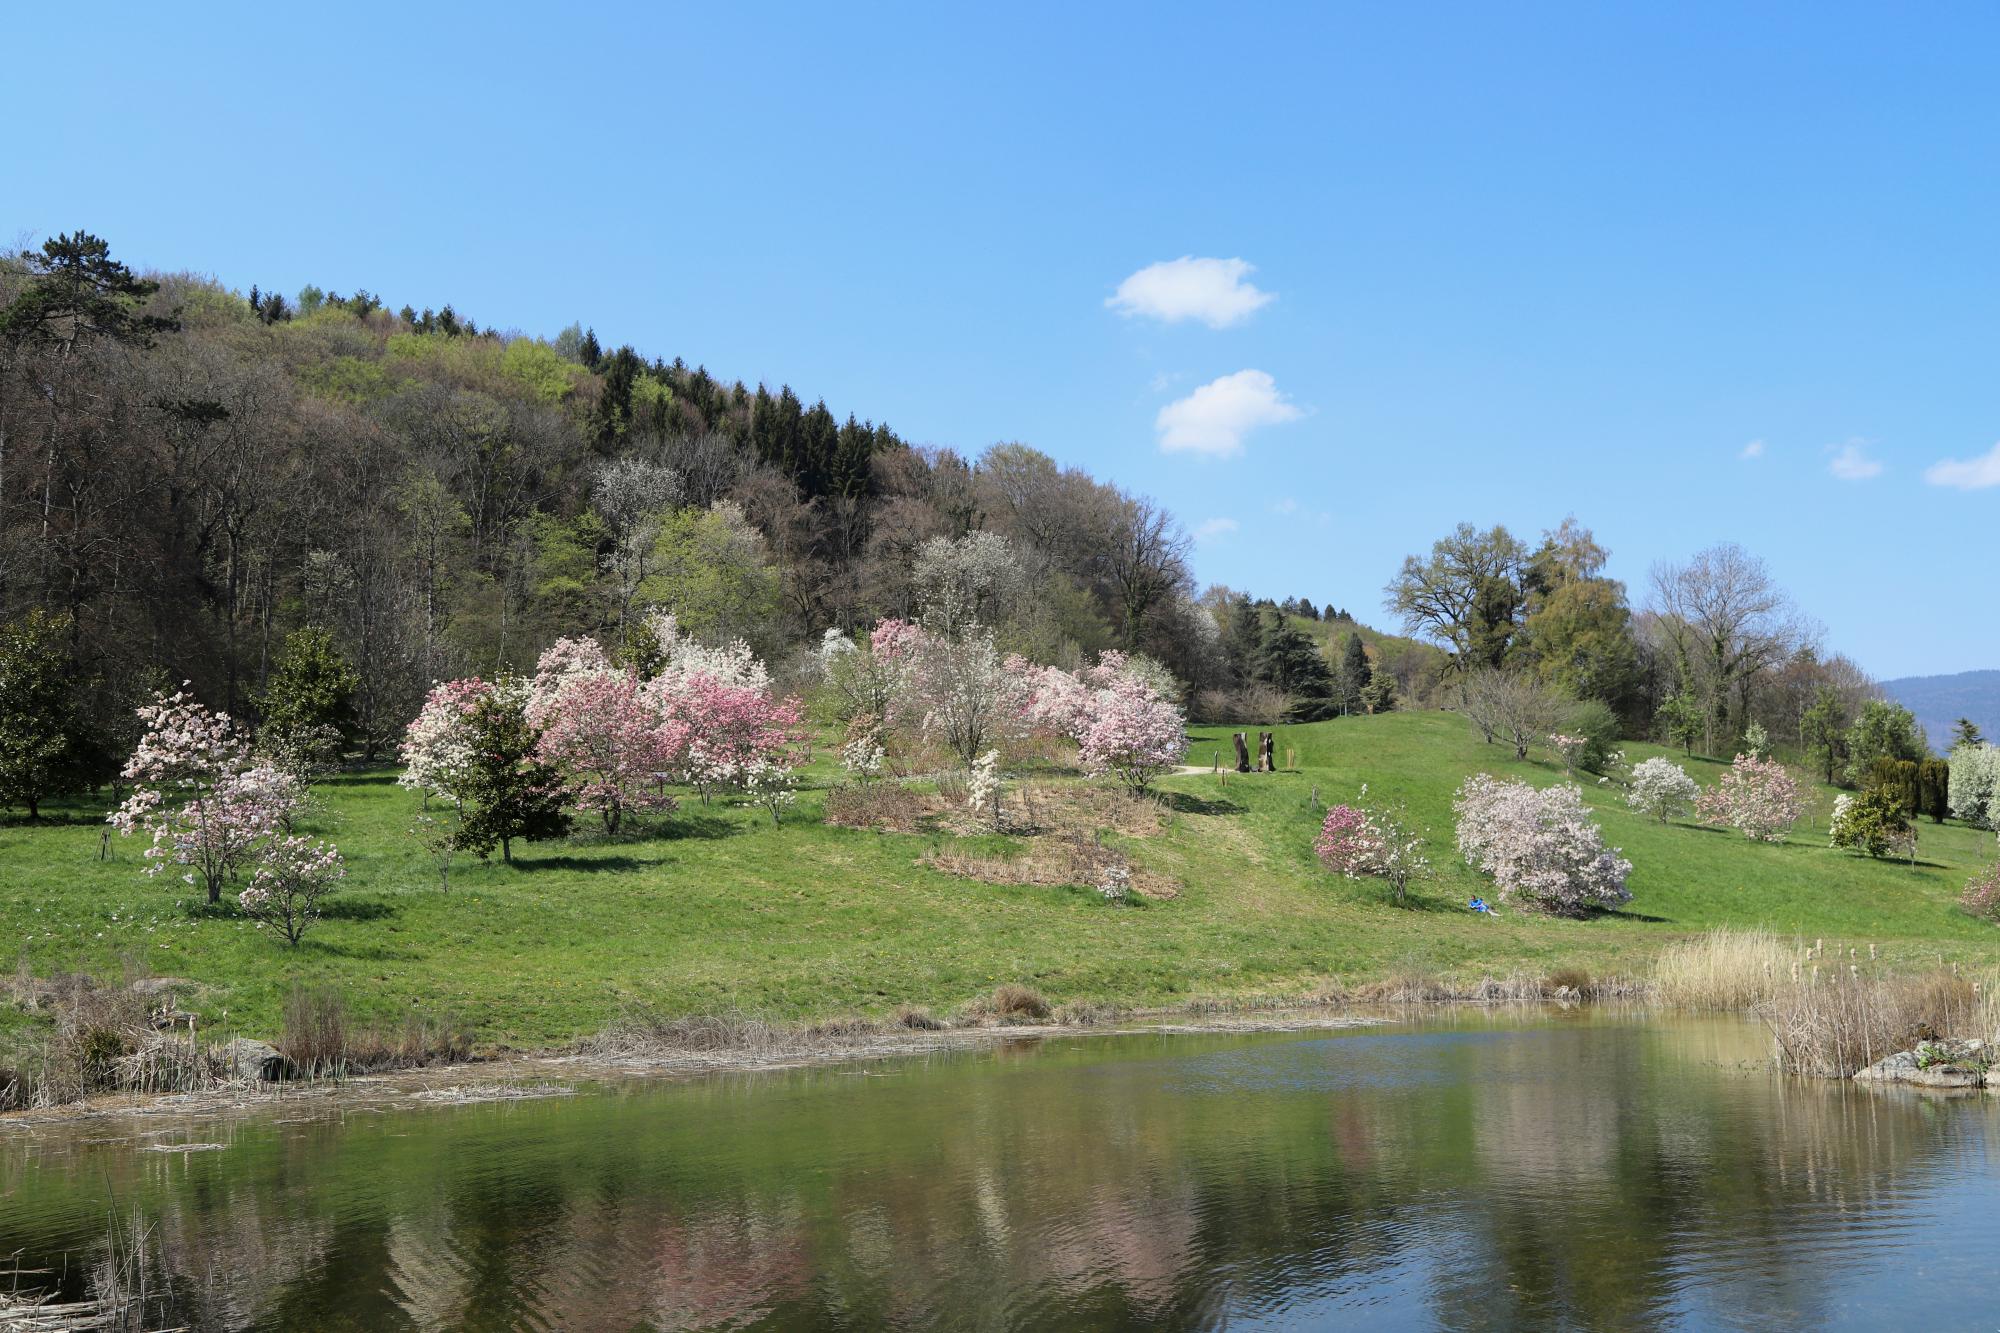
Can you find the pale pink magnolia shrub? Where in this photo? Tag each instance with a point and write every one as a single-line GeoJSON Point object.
{"type": "Point", "coordinates": [1981, 897]}
{"type": "Point", "coordinates": [1120, 721]}
{"type": "Point", "coordinates": [1758, 798]}
{"type": "Point", "coordinates": [197, 795]}
{"type": "Point", "coordinates": [1539, 845]}
{"type": "Point", "coordinates": [294, 876]}
{"type": "Point", "coordinates": [1371, 844]}
{"type": "Point", "coordinates": [1569, 749]}
{"type": "Point", "coordinates": [957, 693]}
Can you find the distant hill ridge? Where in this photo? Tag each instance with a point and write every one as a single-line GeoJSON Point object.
{"type": "Point", "coordinates": [1939, 701]}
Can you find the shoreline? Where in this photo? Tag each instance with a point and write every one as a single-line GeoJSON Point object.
{"type": "Point", "coordinates": [525, 1076]}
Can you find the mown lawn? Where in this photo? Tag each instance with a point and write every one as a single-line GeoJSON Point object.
{"type": "Point", "coordinates": [717, 910]}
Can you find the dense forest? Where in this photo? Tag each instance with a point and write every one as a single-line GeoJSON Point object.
{"type": "Point", "coordinates": [189, 475]}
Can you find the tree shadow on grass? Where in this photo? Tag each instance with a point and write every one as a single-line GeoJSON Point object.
{"type": "Point", "coordinates": [363, 909]}
{"type": "Point", "coordinates": [1186, 803]}
{"type": "Point", "coordinates": [1625, 914]}
{"type": "Point", "coordinates": [52, 819]}
{"type": "Point", "coordinates": [687, 824]}
{"type": "Point", "coordinates": [591, 864]}
{"type": "Point", "coordinates": [373, 953]}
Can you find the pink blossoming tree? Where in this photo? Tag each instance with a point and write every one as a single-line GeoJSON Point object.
{"type": "Point", "coordinates": [294, 876]}
{"type": "Point", "coordinates": [1756, 797]}
{"type": "Point", "coordinates": [197, 794]}
{"type": "Point", "coordinates": [1371, 844]}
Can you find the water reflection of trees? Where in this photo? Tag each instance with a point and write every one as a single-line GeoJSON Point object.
{"type": "Point", "coordinates": [1573, 1174]}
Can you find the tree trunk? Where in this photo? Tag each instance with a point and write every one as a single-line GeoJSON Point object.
{"type": "Point", "coordinates": [1266, 744]}
{"type": "Point", "coordinates": [1242, 754]}
{"type": "Point", "coordinates": [507, 851]}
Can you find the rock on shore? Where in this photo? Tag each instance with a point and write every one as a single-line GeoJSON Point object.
{"type": "Point", "coordinates": [1938, 1064]}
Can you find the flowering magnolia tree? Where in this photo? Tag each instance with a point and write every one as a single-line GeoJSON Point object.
{"type": "Point", "coordinates": [1974, 785]}
{"type": "Point", "coordinates": [1570, 749]}
{"type": "Point", "coordinates": [293, 877]}
{"type": "Point", "coordinates": [437, 747]}
{"type": "Point", "coordinates": [196, 792]}
{"type": "Point", "coordinates": [957, 693]}
{"type": "Point", "coordinates": [600, 731]}
{"type": "Point", "coordinates": [1539, 845]}
{"type": "Point", "coordinates": [1662, 789]}
{"type": "Point", "coordinates": [1982, 895]}
{"type": "Point", "coordinates": [1116, 712]}
{"type": "Point", "coordinates": [1756, 797]}
{"type": "Point", "coordinates": [1371, 844]}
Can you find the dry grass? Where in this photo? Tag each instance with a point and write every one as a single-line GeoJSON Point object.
{"type": "Point", "coordinates": [884, 806]}
{"type": "Point", "coordinates": [1054, 861]}
{"type": "Point", "coordinates": [1723, 969]}
{"type": "Point", "coordinates": [1008, 1005]}
{"type": "Point", "coordinates": [1836, 1024]}
{"type": "Point", "coordinates": [322, 1042]}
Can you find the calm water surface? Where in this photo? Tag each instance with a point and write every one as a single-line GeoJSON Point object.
{"type": "Point", "coordinates": [1549, 1171]}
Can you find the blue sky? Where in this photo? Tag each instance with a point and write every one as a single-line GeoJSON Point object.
{"type": "Point", "coordinates": [1520, 261]}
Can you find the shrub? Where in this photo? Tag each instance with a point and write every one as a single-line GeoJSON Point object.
{"type": "Point", "coordinates": [293, 877]}
{"type": "Point", "coordinates": [1756, 797]}
{"type": "Point", "coordinates": [875, 805]}
{"type": "Point", "coordinates": [1540, 846]}
{"type": "Point", "coordinates": [1598, 725]}
{"type": "Point", "coordinates": [1982, 895]}
{"type": "Point", "coordinates": [1973, 784]}
{"type": "Point", "coordinates": [1371, 844]}
{"type": "Point", "coordinates": [1018, 1003]}
{"type": "Point", "coordinates": [1661, 788]}
{"type": "Point", "coordinates": [1873, 823]}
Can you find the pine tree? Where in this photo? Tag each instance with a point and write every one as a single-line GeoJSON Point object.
{"type": "Point", "coordinates": [1292, 662]}
{"type": "Point", "coordinates": [511, 793]}
{"type": "Point", "coordinates": [1355, 675]}
{"type": "Point", "coordinates": [1965, 732]}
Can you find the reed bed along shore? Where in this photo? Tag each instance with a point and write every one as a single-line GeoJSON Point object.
{"type": "Point", "coordinates": [1831, 1010]}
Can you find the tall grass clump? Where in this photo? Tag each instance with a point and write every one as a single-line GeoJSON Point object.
{"type": "Point", "coordinates": [1839, 1024]}
{"type": "Point", "coordinates": [1723, 969]}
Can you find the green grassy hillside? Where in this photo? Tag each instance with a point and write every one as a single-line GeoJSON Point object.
{"type": "Point", "coordinates": [718, 910]}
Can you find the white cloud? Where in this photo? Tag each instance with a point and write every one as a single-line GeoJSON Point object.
{"type": "Point", "coordinates": [1210, 528]}
{"type": "Point", "coordinates": [1970, 474]}
{"type": "Point", "coordinates": [1210, 290]}
{"type": "Point", "coordinates": [1754, 449]}
{"type": "Point", "coordinates": [1286, 506]}
{"type": "Point", "coordinates": [1852, 463]}
{"type": "Point", "coordinates": [1215, 418]}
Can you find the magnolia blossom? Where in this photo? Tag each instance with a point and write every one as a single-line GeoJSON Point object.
{"type": "Point", "coordinates": [198, 797]}
{"type": "Point", "coordinates": [1569, 749]}
{"type": "Point", "coordinates": [682, 657]}
{"type": "Point", "coordinates": [1756, 797]}
{"type": "Point", "coordinates": [958, 693]}
{"type": "Point", "coordinates": [1974, 792]}
{"type": "Point", "coordinates": [1115, 712]}
{"type": "Point", "coordinates": [771, 784]}
{"type": "Point", "coordinates": [1661, 788]}
{"type": "Point", "coordinates": [1982, 895]}
{"type": "Point", "coordinates": [292, 878]}
{"type": "Point", "coordinates": [437, 745]}
{"type": "Point", "coordinates": [613, 749]}
{"type": "Point", "coordinates": [1540, 846]}
{"type": "Point", "coordinates": [722, 730]}
{"type": "Point", "coordinates": [1370, 844]}
{"type": "Point", "coordinates": [982, 788]}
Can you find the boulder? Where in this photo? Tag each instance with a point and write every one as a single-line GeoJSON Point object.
{"type": "Point", "coordinates": [1936, 1064]}
{"type": "Point", "coordinates": [256, 1060]}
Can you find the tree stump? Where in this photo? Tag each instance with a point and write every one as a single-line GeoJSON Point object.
{"type": "Point", "coordinates": [1266, 746]}
{"type": "Point", "coordinates": [1242, 754]}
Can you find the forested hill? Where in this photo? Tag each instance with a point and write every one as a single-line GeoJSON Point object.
{"type": "Point", "coordinates": [188, 472]}
{"type": "Point", "coordinates": [1940, 701]}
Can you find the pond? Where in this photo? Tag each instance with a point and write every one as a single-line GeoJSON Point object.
{"type": "Point", "coordinates": [1535, 1169]}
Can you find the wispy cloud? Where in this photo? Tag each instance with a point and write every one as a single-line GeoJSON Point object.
{"type": "Point", "coordinates": [1215, 418]}
{"type": "Point", "coordinates": [1967, 474]}
{"type": "Point", "coordinates": [1754, 449]}
{"type": "Point", "coordinates": [1210, 290]}
{"type": "Point", "coordinates": [1211, 528]}
{"type": "Point", "coordinates": [1285, 506]}
{"type": "Point", "coordinates": [1851, 462]}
